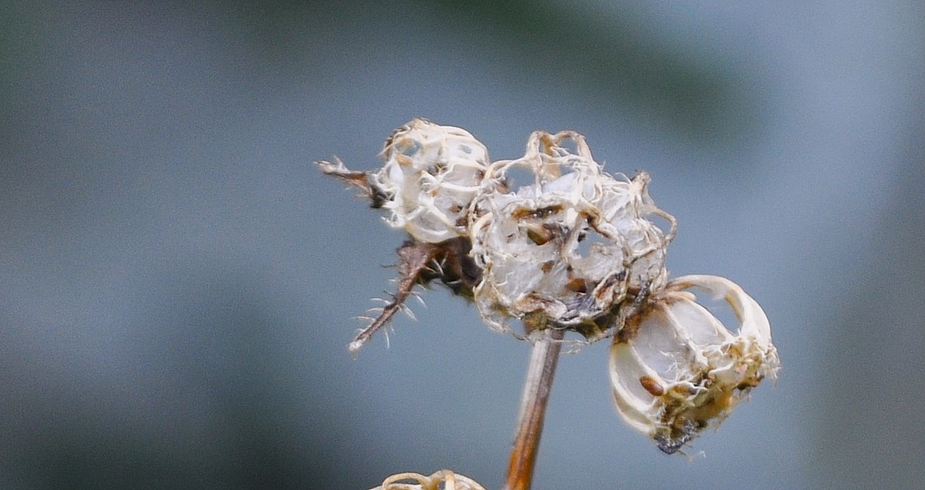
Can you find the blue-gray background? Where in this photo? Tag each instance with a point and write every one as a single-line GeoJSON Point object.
{"type": "Point", "coordinates": [177, 281]}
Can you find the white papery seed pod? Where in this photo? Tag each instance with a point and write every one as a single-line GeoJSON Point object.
{"type": "Point", "coordinates": [431, 174]}
{"type": "Point", "coordinates": [675, 369]}
{"type": "Point", "coordinates": [570, 243]}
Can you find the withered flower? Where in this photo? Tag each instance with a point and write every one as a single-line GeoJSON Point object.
{"type": "Point", "coordinates": [571, 249]}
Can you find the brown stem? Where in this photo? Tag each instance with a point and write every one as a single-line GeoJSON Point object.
{"type": "Point", "coordinates": [542, 368]}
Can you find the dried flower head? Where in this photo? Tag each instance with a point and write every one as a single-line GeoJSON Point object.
{"type": "Point", "coordinates": [570, 244]}
{"type": "Point", "coordinates": [675, 369]}
{"type": "Point", "coordinates": [431, 174]}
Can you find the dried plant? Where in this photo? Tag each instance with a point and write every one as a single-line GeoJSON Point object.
{"type": "Point", "coordinates": [441, 480]}
{"type": "Point", "coordinates": [572, 249]}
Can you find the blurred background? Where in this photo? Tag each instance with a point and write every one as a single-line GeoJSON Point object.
{"type": "Point", "coordinates": [178, 282]}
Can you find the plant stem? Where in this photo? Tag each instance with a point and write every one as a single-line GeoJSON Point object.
{"type": "Point", "coordinates": [542, 368]}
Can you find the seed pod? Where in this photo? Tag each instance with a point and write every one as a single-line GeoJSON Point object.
{"type": "Point", "coordinates": [569, 243]}
{"type": "Point", "coordinates": [675, 369]}
{"type": "Point", "coordinates": [431, 174]}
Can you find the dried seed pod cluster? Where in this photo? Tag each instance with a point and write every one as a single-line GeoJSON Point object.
{"type": "Point", "coordinates": [572, 248]}
{"type": "Point", "coordinates": [445, 479]}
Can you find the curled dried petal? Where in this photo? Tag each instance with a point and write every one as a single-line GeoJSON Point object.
{"type": "Point", "coordinates": [676, 369]}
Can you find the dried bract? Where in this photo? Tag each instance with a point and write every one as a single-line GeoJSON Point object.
{"type": "Point", "coordinates": [420, 264]}
{"type": "Point", "coordinates": [675, 369]}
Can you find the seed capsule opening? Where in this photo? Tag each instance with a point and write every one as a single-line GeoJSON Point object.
{"type": "Point", "coordinates": [680, 369]}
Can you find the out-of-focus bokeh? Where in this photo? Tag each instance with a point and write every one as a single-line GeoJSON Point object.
{"type": "Point", "coordinates": [178, 281]}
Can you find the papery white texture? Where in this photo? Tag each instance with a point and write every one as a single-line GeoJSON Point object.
{"type": "Point", "coordinates": [675, 369]}
{"type": "Point", "coordinates": [571, 243]}
{"type": "Point", "coordinates": [431, 174]}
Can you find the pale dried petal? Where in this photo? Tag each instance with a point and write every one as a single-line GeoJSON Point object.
{"type": "Point", "coordinates": [676, 369]}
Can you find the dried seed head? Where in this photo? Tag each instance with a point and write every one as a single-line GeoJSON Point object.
{"type": "Point", "coordinates": [569, 243]}
{"type": "Point", "coordinates": [431, 174]}
{"type": "Point", "coordinates": [676, 369]}
{"type": "Point", "coordinates": [445, 479]}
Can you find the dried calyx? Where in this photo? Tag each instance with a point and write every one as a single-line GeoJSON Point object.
{"type": "Point", "coordinates": [675, 369]}
{"type": "Point", "coordinates": [573, 248]}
